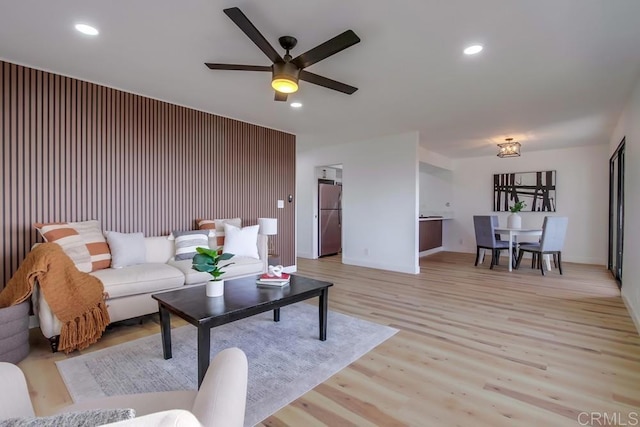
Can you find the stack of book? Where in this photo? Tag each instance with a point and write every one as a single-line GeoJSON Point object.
{"type": "Point", "coordinates": [273, 281]}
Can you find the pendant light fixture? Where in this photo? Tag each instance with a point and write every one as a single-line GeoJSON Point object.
{"type": "Point", "coordinates": [509, 148]}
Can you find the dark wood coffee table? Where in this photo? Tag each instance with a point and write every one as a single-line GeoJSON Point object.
{"type": "Point", "coordinates": [242, 298]}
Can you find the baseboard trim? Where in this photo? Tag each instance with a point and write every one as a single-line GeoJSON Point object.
{"type": "Point", "coordinates": [633, 314]}
{"type": "Point", "coordinates": [307, 255]}
{"type": "Point", "coordinates": [430, 251]}
{"type": "Point", "coordinates": [378, 266]}
{"type": "Point", "coordinates": [291, 269]}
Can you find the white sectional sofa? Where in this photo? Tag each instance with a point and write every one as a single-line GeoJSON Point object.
{"type": "Point", "coordinates": [129, 288]}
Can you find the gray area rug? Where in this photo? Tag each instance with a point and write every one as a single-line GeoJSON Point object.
{"type": "Point", "coordinates": [286, 359]}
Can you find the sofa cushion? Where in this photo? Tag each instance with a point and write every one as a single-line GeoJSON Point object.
{"type": "Point", "coordinates": [191, 276]}
{"type": "Point", "coordinates": [126, 248]}
{"type": "Point", "coordinates": [242, 266]}
{"type": "Point", "coordinates": [82, 241]}
{"type": "Point", "coordinates": [139, 279]}
{"type": "Point", "coordinates": [218, 226]}
{"type": "Point", "coordinates": [159, 249]}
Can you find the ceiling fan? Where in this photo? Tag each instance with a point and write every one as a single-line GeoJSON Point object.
{"type": "Point", "coordinates": [286, 71]}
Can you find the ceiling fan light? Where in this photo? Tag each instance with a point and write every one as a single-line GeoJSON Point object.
{"type": "Point", "coordinates": [285, 77]}
{"type": "Point", "coordinates": [284, 85]}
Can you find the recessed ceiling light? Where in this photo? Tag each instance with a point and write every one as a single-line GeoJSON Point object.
{"type": "Point", "coordinates": [296, 104]}
{"type": "Point", "coordinates": [472, 50]}
{"type": "Point", "coordinates": [87, 29]}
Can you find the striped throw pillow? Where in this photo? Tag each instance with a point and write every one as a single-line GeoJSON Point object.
{"type": "Point", "coordinates": [82, 241]}
{"type": "Point", "coordinates": [218, 225]}
{"type": "Point", "coordinates": [186, 243]}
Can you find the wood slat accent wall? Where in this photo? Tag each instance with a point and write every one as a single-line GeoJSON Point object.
{"type": "Point", "coordinates": [74, 151]}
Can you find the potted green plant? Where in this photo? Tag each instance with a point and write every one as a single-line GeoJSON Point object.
{"type": "Point", "coordinates": [514, 220]}
{"type": "Point", "coordinates": [207, 261]}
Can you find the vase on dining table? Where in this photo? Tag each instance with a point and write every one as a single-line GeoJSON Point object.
{"type": "Point", "coordinates": [514, 221]}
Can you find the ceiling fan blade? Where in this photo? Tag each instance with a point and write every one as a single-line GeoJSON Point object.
{"type": "Point", "coordinates": [328, 83]}
{"type": "Point", "coordinates": [280, 96]}
{"type": "Point", "coordinates": [237, 67]}
{"type": "Point", "coordinates": [326, 49]}
{"type": "Point", "coordinates": [252, 32]}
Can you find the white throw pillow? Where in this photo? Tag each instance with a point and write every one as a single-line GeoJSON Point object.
{"type": "Point", "coordinates": [241, 241]}
{"type": "Point", "coordinates": [126, 248]}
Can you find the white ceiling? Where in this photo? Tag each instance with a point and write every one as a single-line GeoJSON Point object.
{"type": "Point", "coordinates": [554, 73]}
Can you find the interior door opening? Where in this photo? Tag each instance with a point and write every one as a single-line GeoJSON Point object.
{"type": "Point", "coordinates": [616, 212]}
{"type": "Point", "coordinates": [329, 210]}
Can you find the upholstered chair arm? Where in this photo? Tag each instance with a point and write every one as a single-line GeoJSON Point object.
{"type": "Point", "coordinates": [14, 394]}
{"type": "Point", "coordinates": [220, 401]}
{"type": "Point", "coordinates": [173, 418]}
{"type": "Point", "coordinates": [222, 396]}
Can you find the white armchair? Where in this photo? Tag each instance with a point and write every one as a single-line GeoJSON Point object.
{"type": "Point", "coordinates": [220, 401]}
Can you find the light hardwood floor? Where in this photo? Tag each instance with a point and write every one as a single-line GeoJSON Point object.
{"type": "Point", "coordinates": [475, 347]}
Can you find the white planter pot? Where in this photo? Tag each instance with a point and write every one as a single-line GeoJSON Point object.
{"type": "Point", "coordinates": [215, 288]}
{"type": "Point", "coordinates": [514, 221]}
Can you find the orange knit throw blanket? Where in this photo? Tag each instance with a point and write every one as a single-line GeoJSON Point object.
{"type": "Point", "coordinates": [76, 298]}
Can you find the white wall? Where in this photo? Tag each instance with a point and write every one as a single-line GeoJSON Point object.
{"type": "Point", "coordinates": [436, 190]}
{"type": "Point", "coordinates": [629, 128]}
{"type": "Point", "coordinates": [379, 200]}
{"type": "Point", "coordinates": [435, 159]}
{"type": "Point", "coordinates": [582, 192]}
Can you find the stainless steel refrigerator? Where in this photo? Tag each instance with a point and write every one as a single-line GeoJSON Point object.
{"type": "Point", "coordinates": [329, 219]}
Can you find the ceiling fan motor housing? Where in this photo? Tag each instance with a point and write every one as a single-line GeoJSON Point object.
{"type": "Point", "coordinates": [285, 71]}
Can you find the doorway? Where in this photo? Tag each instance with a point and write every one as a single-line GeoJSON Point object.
{"type": "Point", "coordinates": [329, 214]}
{"type": "Point", "coordinates": [616, 212]}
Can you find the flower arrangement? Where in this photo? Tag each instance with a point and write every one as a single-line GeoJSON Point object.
{"type": "Point", "coordinates": [206, 260]}
{"type": "Point", "coordinates": [518, 206]}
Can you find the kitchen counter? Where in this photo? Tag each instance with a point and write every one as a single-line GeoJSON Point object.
{"type": "Point", "coordinates": [433, 218]}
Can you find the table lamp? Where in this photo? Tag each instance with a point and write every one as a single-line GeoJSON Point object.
{"type": "Point", "coordinates": [268, 227]}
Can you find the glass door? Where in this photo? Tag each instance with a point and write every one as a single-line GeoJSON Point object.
{"type": "Point", "coordinates": [616, 212]}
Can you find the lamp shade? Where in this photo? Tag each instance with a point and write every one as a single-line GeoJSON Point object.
{"type": "Point", "coordinates": [268, 226]}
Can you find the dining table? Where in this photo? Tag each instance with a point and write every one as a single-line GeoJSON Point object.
{"type": "Point", "coordinates": [513, 238]}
